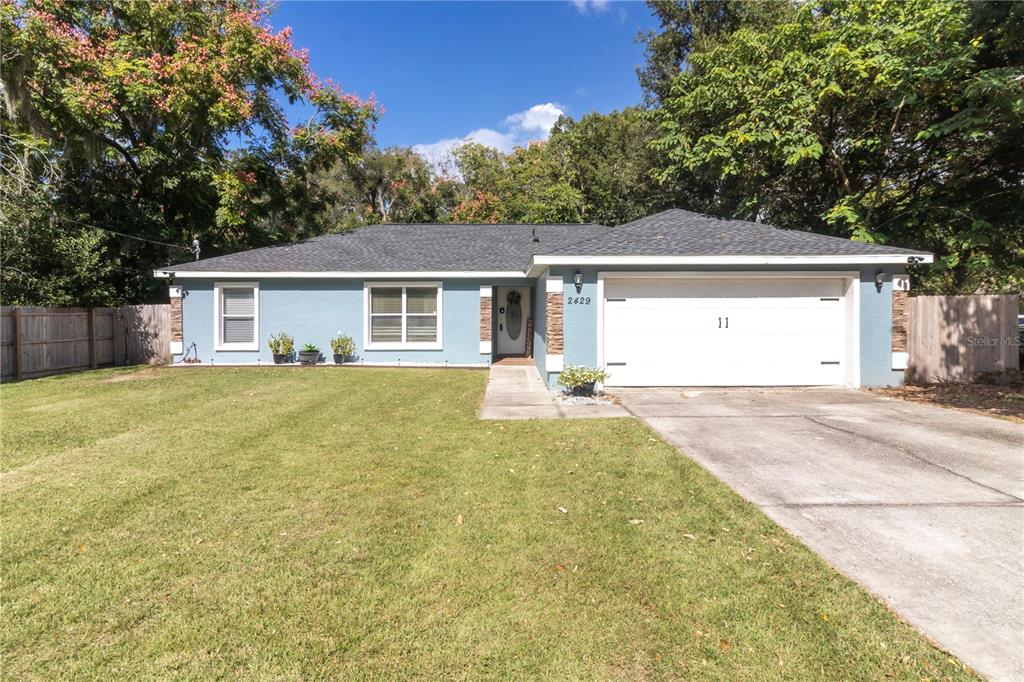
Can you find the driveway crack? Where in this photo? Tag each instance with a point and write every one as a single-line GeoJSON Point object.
{"type": "Point", "coordinates": [910, 454]}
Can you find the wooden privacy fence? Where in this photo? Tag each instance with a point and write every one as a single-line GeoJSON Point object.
{"type": "Point", "coordinates": [39, 341]}
{"type": "Point", "coordinates": [960, 337]}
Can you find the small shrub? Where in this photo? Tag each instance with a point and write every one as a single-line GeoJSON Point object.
{"type": "Point", "coordinates": [310, 348]}
{"type": "Point", "coordinates": [575, 377]}
{"type": "Point", "coordinates": [343, 345]}
{"type": "Point", "coordinates": [282, 344]}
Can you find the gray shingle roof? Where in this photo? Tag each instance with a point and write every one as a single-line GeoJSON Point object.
{"type": "Point", "coordinates": [676, 232]}
{"type": "Point", "coordinates": [428, 247]}
{"type": "Point", "coordinates": [405, 248]}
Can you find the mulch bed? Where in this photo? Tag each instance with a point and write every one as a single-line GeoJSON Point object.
{"type": "Point", "coordinates": [1005, 400]}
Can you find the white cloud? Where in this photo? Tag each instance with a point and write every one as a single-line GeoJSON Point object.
{"type": "Point", "coordinates": [585, 6]}
{"type": "Point", "coordinates": [539, 117]}
{"type": "Point", "coordinates": [521, 128]}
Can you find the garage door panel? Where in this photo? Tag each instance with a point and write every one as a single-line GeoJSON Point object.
{"type": "Point", "coordinates": [697, 289]}
{"type": "Point", "coordinates": [724, 332]}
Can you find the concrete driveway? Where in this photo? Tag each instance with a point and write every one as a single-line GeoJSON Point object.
{"type": "Point", "coordinates": [923, 506]}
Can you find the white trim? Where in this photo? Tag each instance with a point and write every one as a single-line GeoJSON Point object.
{"type": "Point", "coordinates": [733, 274]}
{"type": "Point", "coordinates": [339, 274]}
{"type": "Point", "coordinates": [554, 363]}
{"type": "Point", "coordinates": [218, 329]}
{"type": "Point", "coordinates": [554, 284]}
{"type": "Point", "coordinates": [485, 348]}
{"type": "Point", "coordinates": [404, 345]}
{"type": "Point", "coordinates": [177, 347]}
{"type": "Point", "coordinates": [174, 291]}
{"type": "Point", "coordinates": [729, 260]}
{"type": "Point", "coordinates": [330, 367]}
{"type": "Point", "coordinates": [600, 319]}
{"type": "Point", "coordinates": [851, 299]}
{"type": "Point", "coordinates": [900, 360]}
{"type": "Point", "coordinates": [539, 263]}
{"type": "Point", "coordinates": [486, 291]}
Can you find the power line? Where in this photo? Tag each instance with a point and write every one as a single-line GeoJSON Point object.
{"type": "Point", "coordinates": [127, 236]}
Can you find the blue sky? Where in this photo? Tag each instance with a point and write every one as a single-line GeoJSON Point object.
{"type": "Point", "coordinates": [498, 72]}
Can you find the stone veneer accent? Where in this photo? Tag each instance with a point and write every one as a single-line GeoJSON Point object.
{"type": "Point", "coordinates": [177, 328]}
{"type": "Point", "coordinates": [554, 323]}
{"type": "Point", "coordinates": [900, 321]}
{"type": "Point", "coordinates": [485, 318]}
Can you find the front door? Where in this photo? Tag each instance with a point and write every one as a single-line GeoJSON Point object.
{"type": "Point", "coordinates": [513, 305]}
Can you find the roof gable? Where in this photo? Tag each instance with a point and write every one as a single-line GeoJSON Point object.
{"type": "Point", "coordinates": [676, 232]}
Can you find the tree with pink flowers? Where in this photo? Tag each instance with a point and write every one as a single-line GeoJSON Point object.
{"type": "Point", "coordinates": [161, 120]}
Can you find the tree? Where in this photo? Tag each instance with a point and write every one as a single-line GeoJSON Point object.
{"type": "Point", "coordinates": [528, 185]}
{"type": "Point", "coordinates": [687, 25]}
{"type": "Point", "coordinates": [389, 185]}
{"type": "Point", "coordinates": [877, 121]}
{"type": "Point", "coordinates": [608, 158]}
{"type": "Point", "coordinates": [41, 259]}
{"type": "Point", "coordinates": [163, 122]}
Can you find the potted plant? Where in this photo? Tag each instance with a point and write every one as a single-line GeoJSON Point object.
{"type": "Point", "coordinates": [580, 380]}
{"type": "Point", "coordinates": [309, 355]}
{"type": "Point", "coordinates": [282, 346]}
{"type": "Point", "coordinates": [343, 348]}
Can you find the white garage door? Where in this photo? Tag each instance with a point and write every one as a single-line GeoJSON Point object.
{"type": "Point", "coordinates": [724, 332]}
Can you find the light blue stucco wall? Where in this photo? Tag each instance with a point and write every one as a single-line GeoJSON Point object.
{"type": "Point", "coordinates": [316, 310]}
{"type": "Point", "coordinates": [875, 317]}
{"type": "Point", "coordinates": [876, 331]}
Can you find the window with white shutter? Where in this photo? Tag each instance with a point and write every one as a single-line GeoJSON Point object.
{"type": "Point", "coordinates": [403, 316]}
{"type": "Point", "coordinates": [236, 315]}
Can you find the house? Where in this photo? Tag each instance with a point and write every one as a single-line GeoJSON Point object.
{"type": "Point", "coordinates": [677, 298]}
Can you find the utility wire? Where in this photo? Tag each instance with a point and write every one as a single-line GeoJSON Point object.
{"type": "Point", "coordinates": [122, 234]}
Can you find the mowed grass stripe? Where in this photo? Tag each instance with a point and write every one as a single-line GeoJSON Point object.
{"type": "Point", "coordinates": [362, 523]}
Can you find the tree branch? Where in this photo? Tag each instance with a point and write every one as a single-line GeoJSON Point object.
{"type": "Point", "coordinates": [838, 163]}
{"type": "Point", "coordinates": [124, 153]}
{"type": "Point", "coordinates": [883, 164]}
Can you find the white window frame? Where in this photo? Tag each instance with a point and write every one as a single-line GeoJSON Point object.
{"type": "Point", "coordinates": [403, 345]}
{"type": "Point", "coordinates": [218, 323]}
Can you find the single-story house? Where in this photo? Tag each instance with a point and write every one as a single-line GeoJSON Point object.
{"type": "Point", "coordinates": [677, 298]}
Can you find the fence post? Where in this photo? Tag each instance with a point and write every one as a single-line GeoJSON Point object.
{"type": "Point", "coordinates": [16, 315]}
{"type": "Point", "coordinates": [92, 338]}
{"type": "Point", "coordinates": [120, 347]}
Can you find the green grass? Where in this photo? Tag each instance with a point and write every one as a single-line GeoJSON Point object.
{"type": "Point", "coordinates": [362, 523]}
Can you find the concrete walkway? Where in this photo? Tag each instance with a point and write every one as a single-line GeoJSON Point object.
{"type": "Point", "coordinates": [921, 505]}
{"type": "Point", "coordinates": [518, 392]}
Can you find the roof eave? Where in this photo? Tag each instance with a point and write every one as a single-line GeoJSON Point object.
{"type": "Point", "coordinates": [539, 263]}
{"type": "Point", "coordinates": [166, 273]}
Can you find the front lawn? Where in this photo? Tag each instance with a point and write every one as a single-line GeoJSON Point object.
{"type": "Point", "coordinates": [355, 523]}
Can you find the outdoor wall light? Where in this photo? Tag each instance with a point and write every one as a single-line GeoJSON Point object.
{"type": "Point", "coordinates": [879, 280]}
{"type": "Point", "coordinates": [577, 279]}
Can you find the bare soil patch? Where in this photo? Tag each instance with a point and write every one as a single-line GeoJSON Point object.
{"type": "Point", "coordinates": [1004, 400]}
